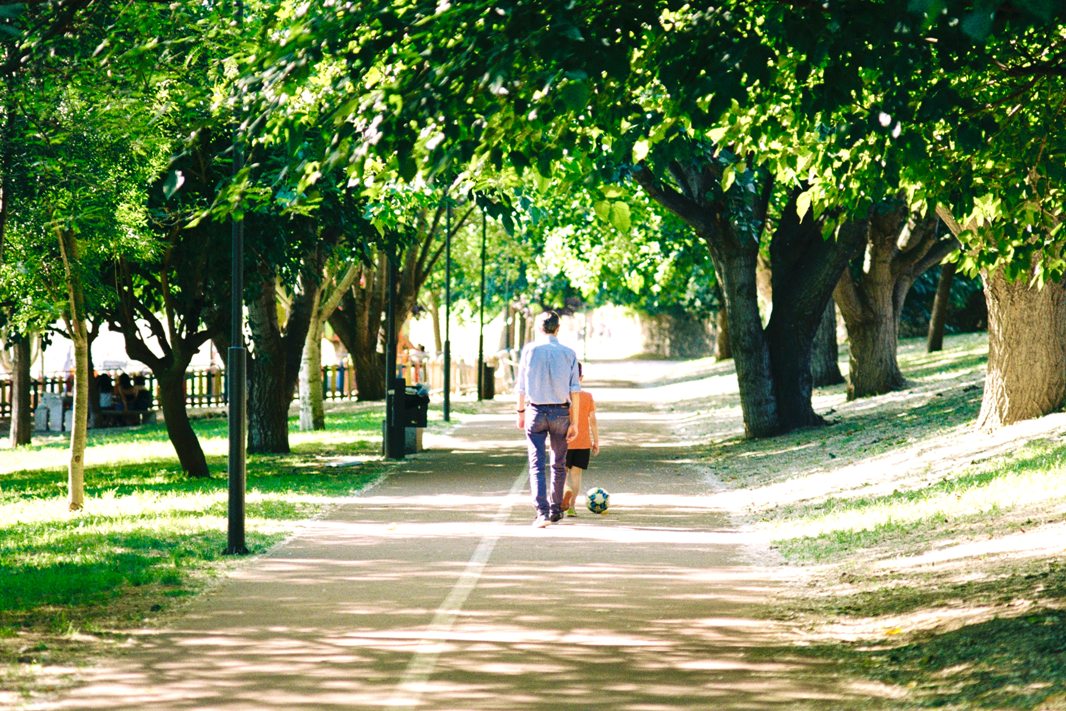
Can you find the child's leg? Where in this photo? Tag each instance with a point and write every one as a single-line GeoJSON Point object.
{"type": "Point", "coordinates": [573, 479]}
{"type": "Point", "coordinates": [569, 492]}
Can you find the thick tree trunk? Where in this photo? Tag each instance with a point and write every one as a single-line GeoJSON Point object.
{"type": "Point", "coordinates": [268, 392]}
{"type": "Point", "coordinates": [357, 322]}
{"type": "Point", "coordinates": [773, 367]}
{"type": "Point", "coordinates": [750, 351]}
{"type": "Point", "coordinates": [268, 408]}
{"type": "Point", "coordinates": [1026, 351]}
{"type": "Point", "coordinates": [825, 355]}
{"type": "Point", "coordinates": [805, 267]}
{"type": "Point", "coordinates": [275, 368]}
{"type": "Point", "coordinates": [873, 368]}
{"type": "Point", "coordinates": [871, 298]}
{"type": "Point", "coordinates": [723, 349]}
{"type": "Point", "coordinates": [172, 403]}
{"type": "Point", "coordinates": [21, 415]}
{"type": "Point", "coordinates": [939, 315]}
{"type": "Point", "coordinates": [312, 412]}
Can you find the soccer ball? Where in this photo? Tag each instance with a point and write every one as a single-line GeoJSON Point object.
{"type": "Point", "coordinates": [597, 499]}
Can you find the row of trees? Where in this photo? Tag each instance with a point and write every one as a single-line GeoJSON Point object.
{"type": "Point", "coordinates": [809, 133]}
{"type": "Point", "coordinates": [118, 192]}
{"type": "Point", "coordinates": [669, 156]}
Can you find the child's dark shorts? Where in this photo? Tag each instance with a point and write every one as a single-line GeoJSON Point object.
{"type": "Point", "coordinates": [578, 458]}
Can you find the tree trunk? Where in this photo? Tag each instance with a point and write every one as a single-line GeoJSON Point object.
{"type": "Point", "coordinates": [312, 412]}
{"type": "Point", "coordinates": [172, 403]}
{"type": "Point", "coordinates": [334, 287]}
{"type": "Point", "coordinates": [21, 415]}
{"type": "Point", "coordinates": [723, 350]}
{"type": "Point", "coordinates": [268, 396]}
{"type": "Point", "coordinates": [357, 322]}
{"type": "Point", "coordinates": [873, 368]}
{"type": "Point", "coordinates": [871, 298]}
{"type": "Point", "coordinates": [825, 356]}
{"type": "Point", "coordinates": [275, 368]}
{"type": "Point", "coordinates": [939, 316]}
{"type": "Point", "coordinates": [804, 267]}
{"type": "Point", "coordinates": [79, 336]}
{"type": "Point", "coordinates": [751, 353]}
{"type": "Point", "coordinates": [434, 312]}
{"type": "Point", "coordinates": [1026, 351]}
{"type": "Point", "coordinates": [79, 429]}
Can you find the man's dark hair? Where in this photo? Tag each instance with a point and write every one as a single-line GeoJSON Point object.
{"type": "Point", "coordinates": [548, 322]}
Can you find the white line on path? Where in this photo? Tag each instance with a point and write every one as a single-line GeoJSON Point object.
{"type": "Point", "coordinates": [420, 668]}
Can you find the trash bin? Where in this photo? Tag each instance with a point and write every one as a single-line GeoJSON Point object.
{"type": "Point", "coordinates": [488, 382]}
{"type": "Point", "coordinates": [415, 406]}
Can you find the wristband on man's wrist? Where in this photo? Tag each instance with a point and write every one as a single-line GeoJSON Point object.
{"type": "Point", "coordinates": [522, 410]}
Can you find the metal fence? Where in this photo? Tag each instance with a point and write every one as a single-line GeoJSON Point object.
{"type": "Point", "coordinates": [207, 388]}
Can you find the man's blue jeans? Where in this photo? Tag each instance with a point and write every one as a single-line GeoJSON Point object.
{"type": "Point", "coordinates": [547, 423]}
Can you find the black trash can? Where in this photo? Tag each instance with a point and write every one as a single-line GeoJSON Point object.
{"type": "Point", "coordinates": [488, 382]}
{"type": "Point", "coordinates": [415, 407]}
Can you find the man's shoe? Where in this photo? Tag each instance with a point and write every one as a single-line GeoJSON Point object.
{"type": "Point", "coordinates": [556, 517]}
{"type": "Point", "coordinates": [571, 512]}
{"type": "Point", "coordinates": [541, 522]}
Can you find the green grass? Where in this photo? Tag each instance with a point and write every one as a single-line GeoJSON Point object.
{"type": "Point", "coordinates": [906, 587]}
{"type": "Point", "coordinates": [149, 535]}
{"type": "Point", "coordinates": [1028, 478]}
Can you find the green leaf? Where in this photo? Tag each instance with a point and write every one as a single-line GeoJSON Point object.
{"type": "Point", "coordinates": [575, 95]}
{"type": "Point", "coordinates": [803, 204]}
{"type": "Point", "coordinates": [640, 150]}
{"type": "Point", "coordinates": [602, 208]}
{"type": "Point", "coordinates": [620, 216]}
{"type": "Point", "coordinates": [729, 175]}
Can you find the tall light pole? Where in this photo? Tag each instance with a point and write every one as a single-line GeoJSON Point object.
{"type": "Point", "coordinates": [448, 310]}
{"type": "Point", "coordinates": [394, 386]}
{"type": "Point", "coordinates": [236, 358]}
{"type": "Point", "coordinates": [481, 316]}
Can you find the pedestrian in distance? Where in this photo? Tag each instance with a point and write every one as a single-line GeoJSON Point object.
{"type": "Point", "coordinates": [585, 444]}
{"type": "Point", "coordinates": [548, 412]}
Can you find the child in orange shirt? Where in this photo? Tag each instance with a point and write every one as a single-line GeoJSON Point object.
{"type": "Point", "coordinates": [577, 454]}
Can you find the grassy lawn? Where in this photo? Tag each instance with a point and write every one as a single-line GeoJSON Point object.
{"type": "Point", "coordinates": [73, 583]}
{"type": "Point", "coordinates": [928, 556]}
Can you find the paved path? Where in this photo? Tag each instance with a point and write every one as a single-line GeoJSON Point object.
{"type": "Point", "coordinates": [432, 591]}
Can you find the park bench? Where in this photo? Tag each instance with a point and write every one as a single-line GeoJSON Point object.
{"type": "Point", "coordinates": [123, 418]}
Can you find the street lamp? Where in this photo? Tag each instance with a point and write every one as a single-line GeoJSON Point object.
{"type": "Point", "coordinates": [448, 310]}
{"type": "Point", "coordinates": [481, 316]}
{"type": "Point", "coordinates": [236, 359]}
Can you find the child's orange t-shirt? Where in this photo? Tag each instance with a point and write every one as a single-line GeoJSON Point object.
{"type": "Point", "coordinates": [584, 432]}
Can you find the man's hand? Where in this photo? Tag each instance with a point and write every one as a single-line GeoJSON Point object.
{"type": "Point", "coordinates": [595, 447]}
{"type": "Point", "coordinates": [521, 423]}
{"type": "Point", "coordinates": [571, 432]}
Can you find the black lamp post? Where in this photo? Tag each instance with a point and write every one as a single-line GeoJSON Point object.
{"type": "Point", "coordinates": [481, 316]}
{"type": "Point", "coordinates": [394, 386]}
{"type": "Point", "coordinates": [448, 310]}
{"type": "Point", "coordinates": [236, 361]}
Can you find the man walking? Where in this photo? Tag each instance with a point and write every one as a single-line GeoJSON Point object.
{"type": "Point", "coordinates": [547, 375]}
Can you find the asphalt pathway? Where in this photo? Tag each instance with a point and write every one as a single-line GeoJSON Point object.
{"type": "Point", "coordinates": [432, 591]}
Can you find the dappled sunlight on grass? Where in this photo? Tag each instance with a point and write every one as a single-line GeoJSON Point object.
{"type": "Point", "coordinates": [1027, 478]}
{"type": "Point", "coordinates": [149, 535]}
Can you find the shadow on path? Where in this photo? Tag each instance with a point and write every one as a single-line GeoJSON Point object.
{"type": "Point", "coordinates": [432, 591]}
